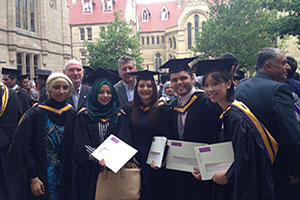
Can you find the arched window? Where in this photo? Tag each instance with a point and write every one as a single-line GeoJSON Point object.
{"type": "Point", "coordinates": [171, 43]}
{"type": "Point", "coordinates": [164, 13]}
{"type": "Point", "coordinates": [158, 61]}
{"type": "Point", "coordinates": [145, 15]}
{"type": "Point", "coordinates": [189, 35]}
{"type": "Point", "coordinates": [147, 40]}
{"type": "Point", "coordinates": [174, 40]}
{"type": "Point", "coordinates": [196, 18]}
{"type": "Point", "coordinates": [143, 41]}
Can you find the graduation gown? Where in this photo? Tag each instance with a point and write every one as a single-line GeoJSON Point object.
{"type": "Point", "coordinates": [87, 133]}
{"type": "Point", "coordinates": [152, 181]}
{"type": "Point", "coordinates": [250, 175]}
{"type": "Point", "coordinates": [201, 125]}
{"type": "Point", "coordinates": [24, 100]}
{"type": "Point", "coordinates": [27, 154]}
{"type": "Point", "coordinates": [8, 123]}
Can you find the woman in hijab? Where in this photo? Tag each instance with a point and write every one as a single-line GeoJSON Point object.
{"type": "Point", "coordinates": [39, 157]}
{"type": "Point", "coordinates": [101, 117]}
{"type": "Point", "coordinates": [168, 95]}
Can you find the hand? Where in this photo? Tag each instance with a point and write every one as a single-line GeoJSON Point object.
{"type": "Point", "coordinates": [37, 186]}
{"type": "Point", "coordinates": [220, 178]}
{"type": "Point", "coordinates": [102, 163]}
{"type": "Point", "coordinates": [153, 165]}
{"type": "Point", "coordinates": [136, 162]}
{"type": "Point", "coordinates": [197, 174]}
{"type": "Point", "coordinates": [294, 180]}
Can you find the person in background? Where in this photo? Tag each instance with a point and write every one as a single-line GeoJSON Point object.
{"type": "Point", "coordinates": [101, 117]}
{"type": "Point", "coordinates": [198, 82]}
{"type": "Point", "coordinates": [74, 70]}
{"type": "Point", "coordinates": [238, 76]}
{"type": "Point", "coordinates": [235, 64]}
{"type": "Point", "coordinates": [254, 148]}
{"type": "Point", "coordinates": [294, 84]}
{"type": "Point", "coordinates": [271, 101]}
{"type": "Point", "coordinates": [164, 77]}
{"type": "Point", "coordinates": [147, 118]}
{"type": "Point", "coordinates": [168, 94]}
{"type": "Point", "coordinates": [23, 82]}
{"type": "Point", "coordinates": [39, 158]}
{"type": "Point", "coordinates": [42, 76]}
{"type": "Point", "coordinates": [125, 87]}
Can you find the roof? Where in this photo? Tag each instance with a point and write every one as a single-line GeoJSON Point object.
{"type": "Point", "coordinates": [76, 15]}
{"type": "Point", "coordinates": [155, 23]}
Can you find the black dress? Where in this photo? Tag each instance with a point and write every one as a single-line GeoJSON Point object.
{"type": "Point", "coordinates": [27, 157]}
{"type": "Point", "coordinates": [201, 125]}
{"type": "Point", "coordinates": [8, 123]}
{"type": "Point", "coordinates": [88, 132]}
{"type": "Point", "coordinates": [250, 175]}
{"type": "Point", "coordinates": [153, 182]}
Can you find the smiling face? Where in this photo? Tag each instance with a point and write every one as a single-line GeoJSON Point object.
{"type": "Point", "coordinates": [75, 73]}
{"type": "Point", "coordinates": [216, 90]}
{"type": "Point", "coordinates": [25, 84]}
{"type": "Point", "coordinates": [104, 95]}
{"type": "Point", "coordinates": [279, 68]}
{"type": "Point", "coordinates": [126, 68]}
{"type": "Point", "coordinates": [59, 91]}
{"type": "Point", "coordinates": [182, 82]}
{"type": "Point", "coordinates": [145, 91]}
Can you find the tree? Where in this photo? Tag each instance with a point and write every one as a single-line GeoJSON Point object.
{"type": "Point", "coordinates": [116, 40]}
{"type": "Point", "coordinates": [288, 22]}
{"type": "Point", "coordinates": [240, 27]}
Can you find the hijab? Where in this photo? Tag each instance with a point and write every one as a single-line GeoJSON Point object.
{"type": "Point", "coordinates": [171, 97]}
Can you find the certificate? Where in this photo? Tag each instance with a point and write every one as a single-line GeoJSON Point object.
{"type": "Point", "coordinates": [213, 158]}
{"type": "Point", "coordinates": [181, 155]}
{"type": "Point", "coordinates": [115, 153]}
{"type": "Point", "coordinates": [157, 149]}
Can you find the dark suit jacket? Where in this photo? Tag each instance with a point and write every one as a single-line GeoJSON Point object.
{"type": "Point", "coordinates": [121, 91]}
{"type": "Point", "coordinates": [82, 97]}
{"type": "Point", "coordinates": [272, 103]}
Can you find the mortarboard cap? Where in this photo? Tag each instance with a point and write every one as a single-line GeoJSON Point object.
{"type": "Point", "coordinates": [42, 73]}
{"type": "Point", "coordinates": [87, 70]}
{"type": "Point", "coordinates": [20, 78]}
{"type": "Point", "coordinates": [114, 71]}
{"type": "Point", "coordinates": [177, 65]}
{"type": "Point", "coordinates": [11, 72]}
{"type": "Point", "coordinates": [101, 73]}
{"type": "Point", "coordinates": [144, 75]}
{"type": "Point", "coordinates": [207, 66]}
{"type": "Point", "coordinates": [239, 75]}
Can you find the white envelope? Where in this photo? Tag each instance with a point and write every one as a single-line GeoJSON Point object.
{"type": "Point", "coordinates": [213, 158]}
{"type": "Point", "coordinates": [157, 150]}
{"type": "Point", "coordinates": [181, 155]}
{"type": "Point", "coordinates": [115, 153]}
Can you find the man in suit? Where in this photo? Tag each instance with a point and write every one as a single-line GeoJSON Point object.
{"type": "Point", "coordinates": [271, 102]}
{"type": "Point", "coordinates": [74, 70]}
{"type": "Point", "coordinates": [125, 87]}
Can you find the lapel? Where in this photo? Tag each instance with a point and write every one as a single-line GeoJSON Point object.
{"type": "Point", "coordinates": [82, 96]}
{"type": "Point", "coordinates": [122, 93]}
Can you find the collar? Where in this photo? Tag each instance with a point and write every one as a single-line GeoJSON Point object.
{"type": "Point", "coordinates": [183, 100]}
{"type": "Point", "coordinates": [15, 87]}
{"type": "Point", "coordinates": [263, 75]}
{"type": "Point", "coordinates": [55, 110]}
{"type": "Point", "coordinates": [79, 89]}
{"type": "Point", "coordinates": [191, 100]}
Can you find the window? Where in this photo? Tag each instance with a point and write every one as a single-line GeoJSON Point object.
{"type": "Point", "coordinates": [158, 61]}
{"type": "Point", "coordinates": [157, 39]}
{"type": "Point", "coordinates": [28, 62]}
{"type": "Point", "coordinates": [164, 13]}
{"type": "Point", "coordinates": [163, 39]}
{"type": "Point", "coordinates": [107, 5]}
{"type": "Point", "coordinates": [189, 35]}
{"type": "Point", "coordinates": [36, 61]}
{"type": "Point", "coordinates": [82, 34]}
{"type": "Point", "coordinates": [89, 32]}
{"type": "Point", "coordinates": [74, 1]}
{"type": "Point", "coordinates": [171, 43]}
{"type": "Point", "coordinates": [174, 41]}
{"type": "Point", "coordinates": [145, 15]}
{"type": "Point", "coordinates": [19, 61]}
{"type": "Point", "coordinates": [25, 15]}
{"type": "Point", "coordinates": [143, 41]}
{"type": "Point", "coordinates": [196, 18]}
{"type": "Point", "coordinates": [147, 40]}
{"type": "Point", "coordinates": [152, 39]}
{"type": "Point", "coordinates": [87, 6]}
{"type": "Point", "coordinates": [32, 13]}
{"type": "Point", "coordinates": [18, 17]}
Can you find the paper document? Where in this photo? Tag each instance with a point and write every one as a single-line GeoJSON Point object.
{"type": "Point", "coordinates": [157, 150]}
{"type": "Point", "coordinates": [181, 155]}
{"type": "Point", "coordinates": [115, 153]}
{"type": "Point", "coordinates": [213, 158]}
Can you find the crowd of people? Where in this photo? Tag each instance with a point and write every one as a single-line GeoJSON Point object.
{"type": "Point", "coordinates": [49, 128]}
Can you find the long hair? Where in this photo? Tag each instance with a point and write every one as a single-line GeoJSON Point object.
{"type": "Point", "coordinates": [137, 104]}
{"type": "Point", "coordinates": [222, 77]}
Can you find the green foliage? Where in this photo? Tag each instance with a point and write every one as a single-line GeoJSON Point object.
{"type": "Point", "coordinates": [116, 40]}
{"type": "Point", "coordinates": [240, 27]}
{"type": "Point", "coordinates": [288, 22]}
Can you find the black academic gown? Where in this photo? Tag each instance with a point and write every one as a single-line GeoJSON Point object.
{"type": "Point", "coordinates": [24, 100]}
{"type": "Point", "coordinates": [201, 125]}
{"type": "Point", "coordinates": [152, 181]}
{"type": "Point", "coordinates": [250, 175]}
{"type": "Point", "coordinates": [8, 123]}
{"type": "Point", "coordinates": [87, 133]}
{"type": "Point", "coordinates": [27, 154]}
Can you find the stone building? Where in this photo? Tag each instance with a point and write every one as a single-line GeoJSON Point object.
{"type": "Point", "coordinates": [34, 34]}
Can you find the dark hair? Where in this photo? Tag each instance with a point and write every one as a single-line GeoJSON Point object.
{"type": "Point", "coordinates": [228, 55]}
{"type": "Point", "coordinates": [222, 77]}
{"type": "Point", "coordinates": [164, 77]}
{"type": "Point", "coordinates": [296, 76]}
{"type": "Point", "coordinates": [293, 64]}
{"type": "Point", "coordinates": [137, 103]}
